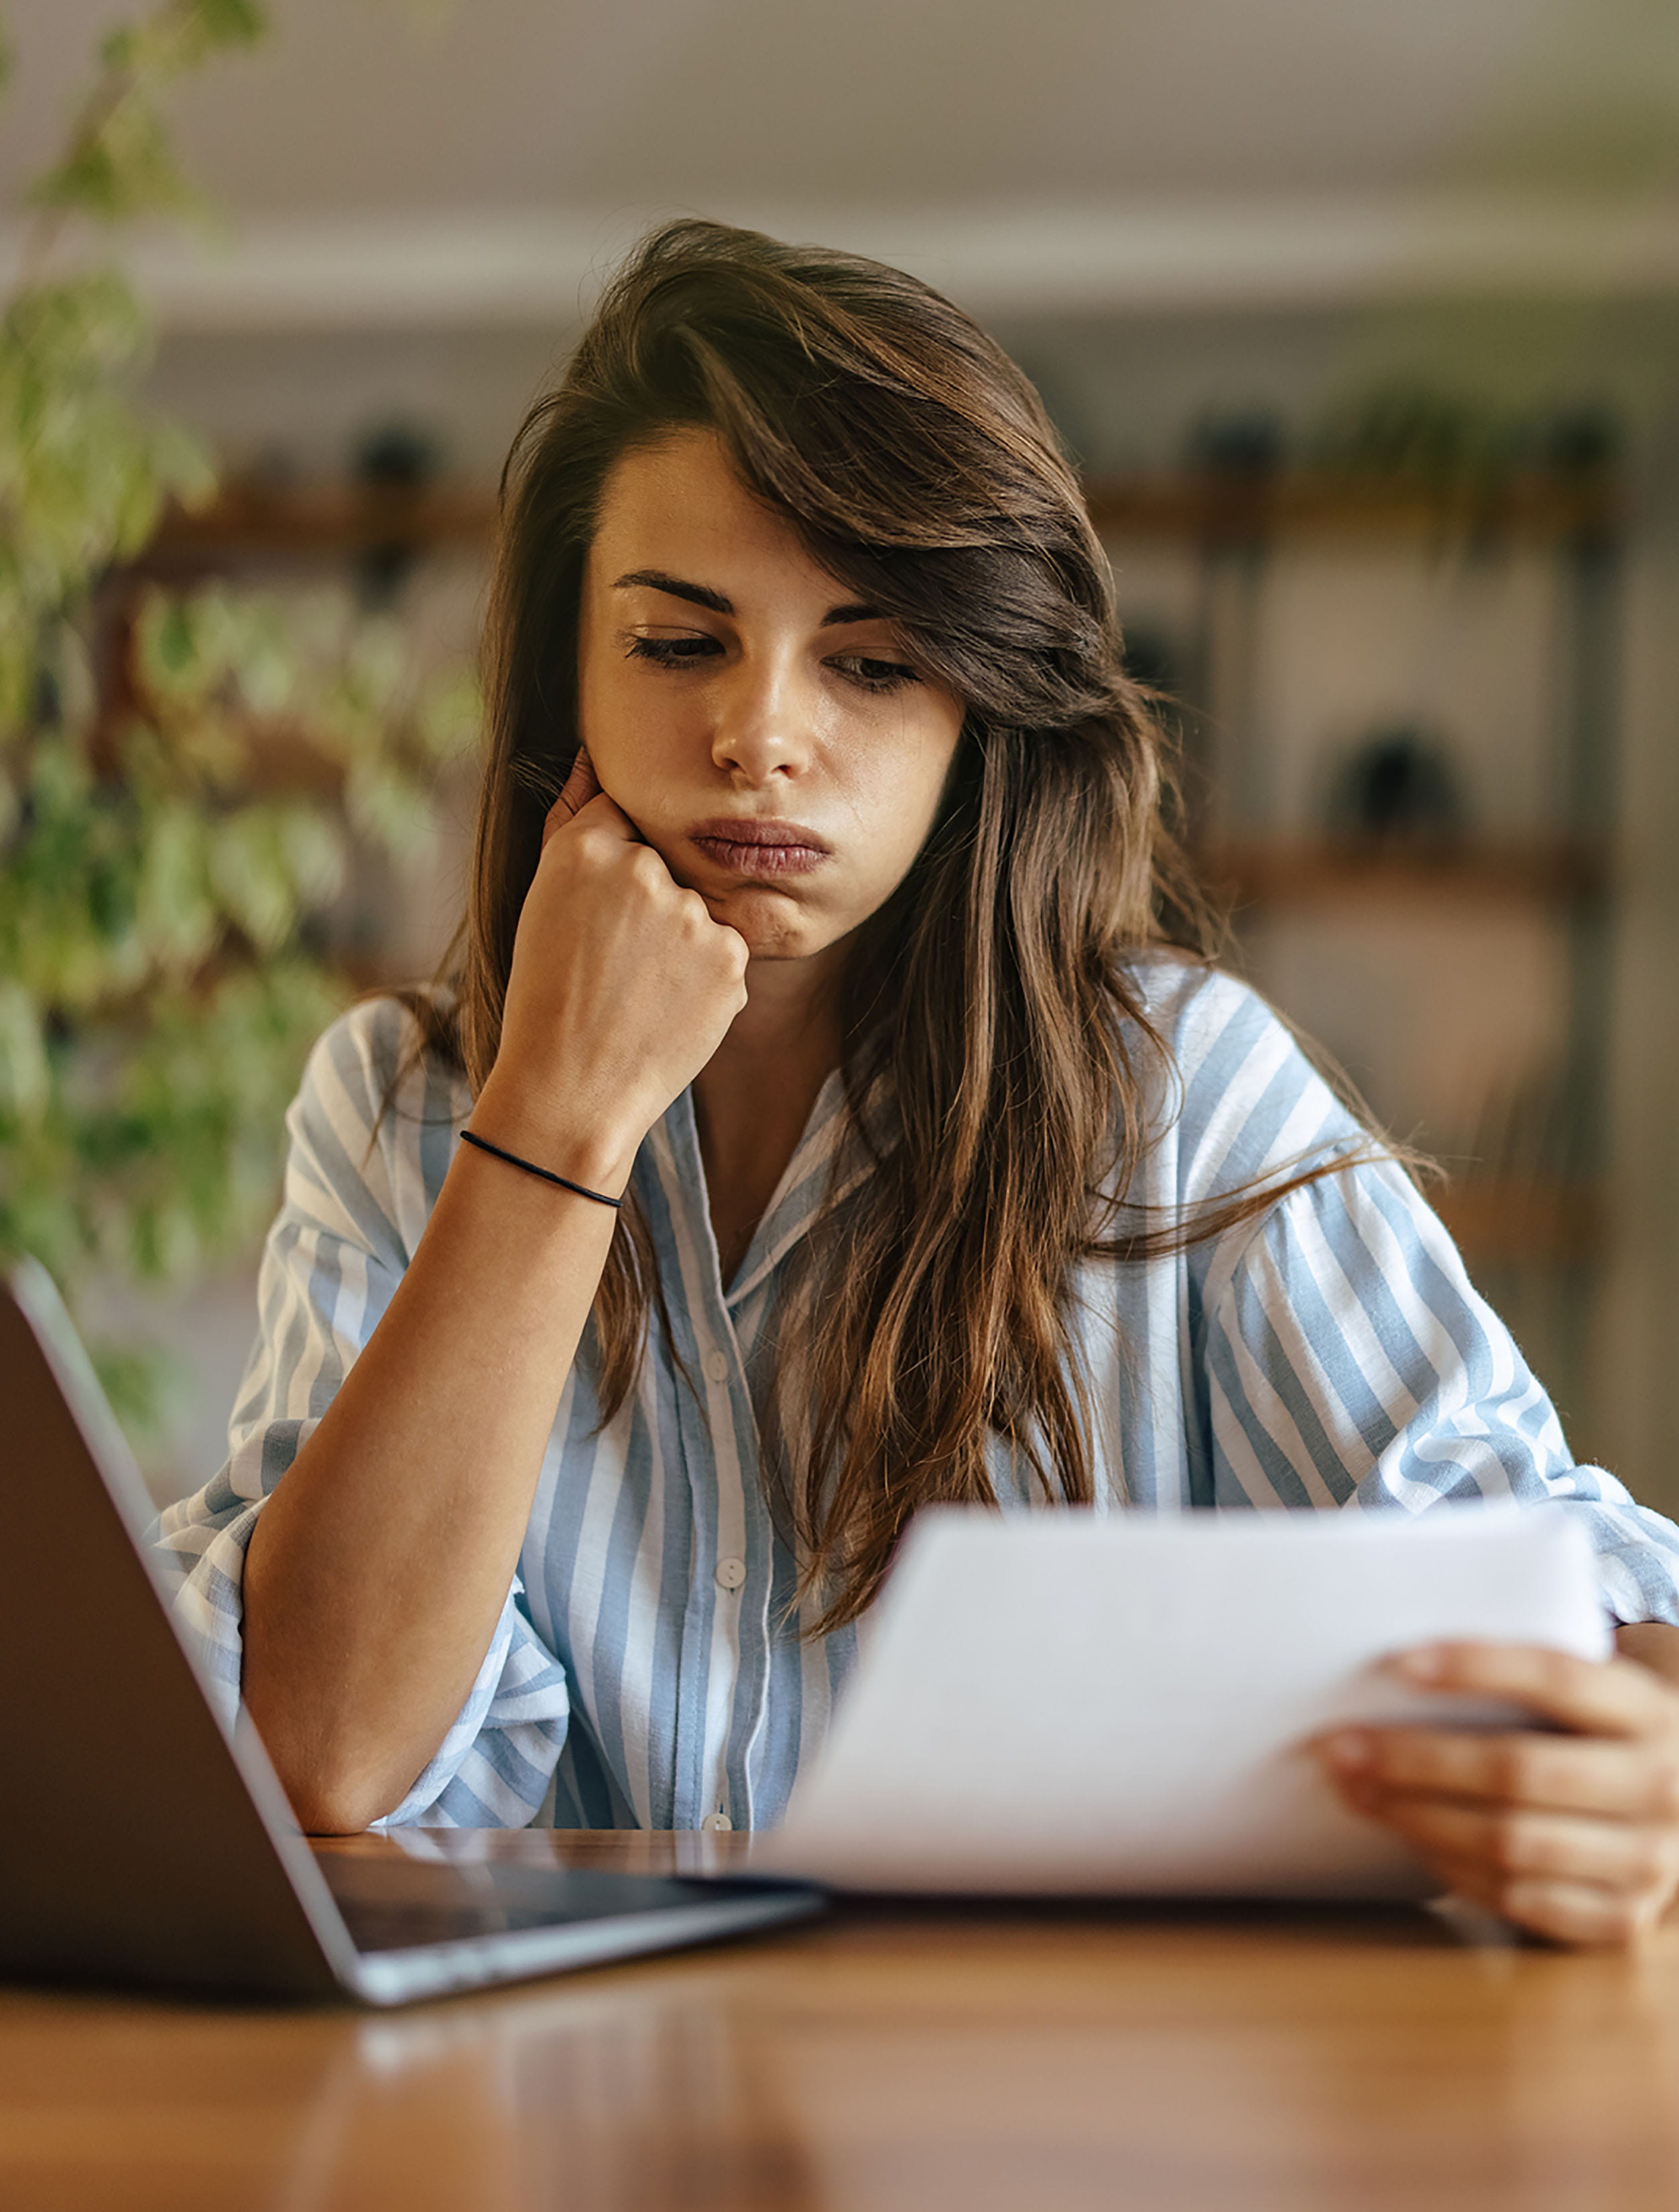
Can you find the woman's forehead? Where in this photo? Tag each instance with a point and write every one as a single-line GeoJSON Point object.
{"type": "Point", "coordinates": [679, 508]}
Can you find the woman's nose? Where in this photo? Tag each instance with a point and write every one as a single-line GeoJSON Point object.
{"type": "Point", "coordinates": [762, 725]}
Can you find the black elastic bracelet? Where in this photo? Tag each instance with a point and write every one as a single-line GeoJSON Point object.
{"type": "Point", "coordinates": [547, 1173]}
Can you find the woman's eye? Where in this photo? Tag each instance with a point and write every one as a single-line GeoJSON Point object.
{"type": "Point", "coordinates": [874, 675]}
{"type": "Point", "coordinates": [673, 652]}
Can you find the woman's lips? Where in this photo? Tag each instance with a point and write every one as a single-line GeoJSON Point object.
{"type": "Point", "coordinates": [747, 845]}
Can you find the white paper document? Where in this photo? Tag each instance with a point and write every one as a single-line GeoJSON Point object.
{"type": "Point", "coordinates": [1071, 1703]}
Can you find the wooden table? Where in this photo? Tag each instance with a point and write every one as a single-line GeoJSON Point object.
{"type": "Point", "coordinates": [1053, 2059]}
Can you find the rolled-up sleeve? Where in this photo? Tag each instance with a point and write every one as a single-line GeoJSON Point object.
{"type": "Point", "coordinates": [1351, 1361]}
{"type": "Point", "coordinates": [360, 1177]}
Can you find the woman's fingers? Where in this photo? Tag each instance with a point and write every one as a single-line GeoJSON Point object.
{"type": "Point", "coordinates": [1574, 1835]}
{"type": "Point", "coordinates": [1577, 1913]}
{"type": "Point", "coordinates": [1569, 1878]}
{"type": "Point", "coordinates": [1621, 1779]}
{"type": "Point", "coordinates": [1517, 1842]}
{"type": "Point", "coordinates": [1562, 1910]}
{"type": "Point", "coordinates": [1613, 1697]}
{"type": "Point", "coordinates": [581, 784]}
{"type": "Point", "coordinates": [1580, 1913]}
{"type": "Point", "coordinates": [580, 787]}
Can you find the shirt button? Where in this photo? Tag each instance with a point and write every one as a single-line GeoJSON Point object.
{"type": "Point", "coordinates": [719, 1824]}
{"type": "Point", "coordinates": [716, 1366]}
{"type": "Point", "coordinates": [731, 1573]}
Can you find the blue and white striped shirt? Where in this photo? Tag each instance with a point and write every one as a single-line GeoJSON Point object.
{"type": "Point", "coordinates": [648, 1668]}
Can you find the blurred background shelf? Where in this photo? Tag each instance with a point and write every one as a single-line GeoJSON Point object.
{"type": "Point", "coordinates": [1203, 505]}
{"type": "Point", "coordinates": [1305, 871]}
{"type": "Point", "coordinates": [317, 522]}
{"type": "Point", "coordinates": [253, 519]}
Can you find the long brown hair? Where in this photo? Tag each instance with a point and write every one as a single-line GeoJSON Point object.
{"type": "Point", "coordinates": [989, 1001]}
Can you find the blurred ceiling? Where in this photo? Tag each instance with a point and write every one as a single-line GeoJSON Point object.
{"type": "Point", "coordinates": [385, 157]}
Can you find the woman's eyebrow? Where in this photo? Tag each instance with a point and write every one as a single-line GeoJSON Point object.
{"type": "Point", "coordinates": [702, 595]}
{"type": "Point", "coordinates": [655, 579]}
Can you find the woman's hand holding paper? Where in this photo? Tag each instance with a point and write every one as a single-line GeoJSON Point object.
{"type": "Point", "coordinates": [1571, 1830]}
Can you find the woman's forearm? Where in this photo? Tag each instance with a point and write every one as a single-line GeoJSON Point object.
{"type": "Point", "coordinates": [379, 1568]}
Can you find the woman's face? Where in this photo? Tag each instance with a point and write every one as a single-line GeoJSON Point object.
{"type": "Point", "coordinates": [770, 738]}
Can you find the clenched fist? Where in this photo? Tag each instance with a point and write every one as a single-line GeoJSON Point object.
{"type": "Point", "coordinates": [621, 987]}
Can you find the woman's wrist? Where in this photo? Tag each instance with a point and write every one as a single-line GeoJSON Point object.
{"type": "Point", "coordinates": [547, 1135]}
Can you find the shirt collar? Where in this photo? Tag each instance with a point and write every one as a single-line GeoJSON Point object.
{"type": "Point", "coordinates": [827, 1161]}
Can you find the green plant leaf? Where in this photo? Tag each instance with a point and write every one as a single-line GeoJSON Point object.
{"type": "Point", "coordinates": [168, 852]}
{"type": "Point", "coordinates": [25, 1079]}
{"type": "Point", "coordinates": [181, 35]}
{"type": "Point", "coordinates": [144, 1382]}
{"type": "Point", "coordinates": [121, 167]}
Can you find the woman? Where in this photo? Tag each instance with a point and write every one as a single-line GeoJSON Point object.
{"type": "Point", "coordinates": [848, 1119]}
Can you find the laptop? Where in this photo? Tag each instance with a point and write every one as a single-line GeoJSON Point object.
{"type": "Point", "coordinates": [143, 1842]}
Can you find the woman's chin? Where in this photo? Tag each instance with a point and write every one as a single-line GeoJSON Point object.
{"type": "Point", "coordinates": [774, 927]}
{"type": "Point", "coordinates": [765, 940]}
